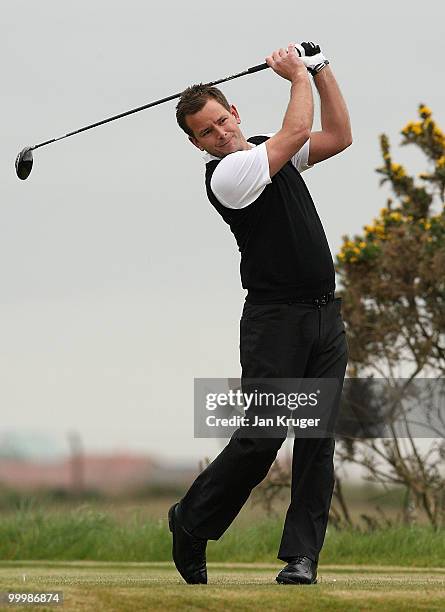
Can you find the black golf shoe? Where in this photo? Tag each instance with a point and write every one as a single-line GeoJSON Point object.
{"type": "Point", "coordinates": [189, 552]}
{"type": "Point", "coordinates": [300, 570]}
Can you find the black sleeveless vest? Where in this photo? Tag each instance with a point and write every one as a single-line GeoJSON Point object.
{"type": "Point", "coordinates": [284, 250]}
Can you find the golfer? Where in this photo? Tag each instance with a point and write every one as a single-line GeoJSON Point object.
{"type": "Point", "coordinates": [291, 326]}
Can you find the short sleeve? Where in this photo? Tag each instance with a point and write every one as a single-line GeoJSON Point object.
{"type": "Point", "coordinates": [300, 159]}
{"type": "Point", "coordinates": [240, 177]}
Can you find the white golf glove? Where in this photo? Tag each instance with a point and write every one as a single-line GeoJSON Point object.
{"type": "Point", "coordinates": [312, 57]}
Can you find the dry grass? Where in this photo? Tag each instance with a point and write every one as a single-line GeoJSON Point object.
{"type": "Point", "coordinates": [126, 587]}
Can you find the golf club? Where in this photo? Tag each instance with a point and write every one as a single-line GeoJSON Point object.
{"type": "Point", "coordinates": [24, 160]}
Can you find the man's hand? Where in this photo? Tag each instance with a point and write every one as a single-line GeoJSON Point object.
{"type": "Point", "coordinates": [312, 57]}
{"type": "Point", "coordinates": [287, 63]}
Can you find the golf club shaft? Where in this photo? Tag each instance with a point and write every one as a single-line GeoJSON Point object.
{"type": "Point", "coordinates": [140, 108]}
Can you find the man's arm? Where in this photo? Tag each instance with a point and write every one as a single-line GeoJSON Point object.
{"type": "Point", "coordinates": [336, 134]}
{"type": "Point", "coordinates": [299, 116]}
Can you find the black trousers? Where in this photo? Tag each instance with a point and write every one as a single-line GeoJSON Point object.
{"type": "Point", "coordinates": [277, 341]}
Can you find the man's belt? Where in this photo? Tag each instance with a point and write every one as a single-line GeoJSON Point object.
{"type": "Point", "coordinates": [317, 301]}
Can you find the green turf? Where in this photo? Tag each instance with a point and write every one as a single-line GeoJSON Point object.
{"type": "Point", "coordinates": [86, 534]}
{"type": "Point", "coordinates": [145, 587]}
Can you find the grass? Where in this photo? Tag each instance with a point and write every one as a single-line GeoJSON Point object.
{"type": "Point", "coordinates": [90, 586]}
{"type": "Point", "coordinates": [86, 534]}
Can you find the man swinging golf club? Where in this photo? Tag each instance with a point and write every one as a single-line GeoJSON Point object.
{"type": "Point", "coordinates": [291, 324]}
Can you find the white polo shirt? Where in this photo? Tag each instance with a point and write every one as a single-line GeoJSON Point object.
{"type": "Point", "coordinates": [241, 176]}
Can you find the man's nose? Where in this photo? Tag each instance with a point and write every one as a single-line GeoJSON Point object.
{"type": "Point", "coordinates": [221, 132]}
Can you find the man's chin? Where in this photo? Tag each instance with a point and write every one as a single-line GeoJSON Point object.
{"type": "Point", "coordinates": [228, 149]}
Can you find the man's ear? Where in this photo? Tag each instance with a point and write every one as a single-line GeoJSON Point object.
{"type": "Point", "coordinates": [235, 113]}
{"type": "Point", "coordinates": [196, 143]}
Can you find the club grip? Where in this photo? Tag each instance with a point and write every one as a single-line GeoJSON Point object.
{"type": "Point", "coordinates": [257, 68]}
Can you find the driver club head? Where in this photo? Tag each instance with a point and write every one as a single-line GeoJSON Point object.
{"type": "Point", "coordinates": [23, 163]}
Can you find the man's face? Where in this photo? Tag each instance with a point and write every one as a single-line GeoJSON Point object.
{"type": "Point", "coordinates": [216, 129]}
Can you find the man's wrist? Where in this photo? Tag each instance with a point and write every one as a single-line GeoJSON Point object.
{"type": "Point", "coordinates": [299, 76]}
{"type": "Point", "coordinates": [323, 77]}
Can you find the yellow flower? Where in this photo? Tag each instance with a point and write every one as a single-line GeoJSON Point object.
{"type": "Point", "coordinates": [440, 163]}
{"type": "Point", "coordinates": [424, 110]}
{"type": "Point", "coordinates": [341, 256]}
{"type": "Point", "coordinates": [362, 244]}
{"type": "Point", "coordinates": [438, 136]}
{"type": "Point", "coordinates": [408, 127]}
{"type": "Point", "coordinates": [353, 259]}
{"type": "Point", "coordinates": [395, 216]}
{"type": "Point", "coordinates": [398, 170]}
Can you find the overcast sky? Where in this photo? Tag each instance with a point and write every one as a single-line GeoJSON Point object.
{"type": "Point", "coordinates": [119, 282]}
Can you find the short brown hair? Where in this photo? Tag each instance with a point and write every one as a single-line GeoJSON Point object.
{"type": "Point", "coordinates": [193, 99]}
